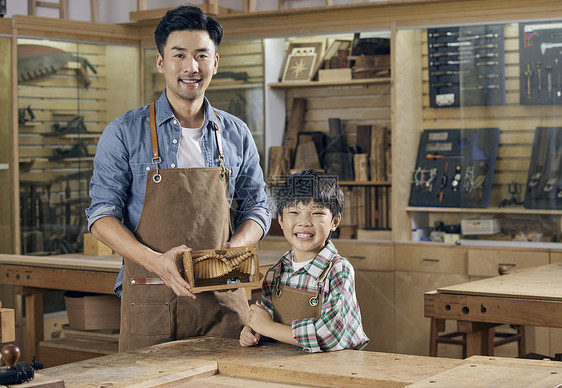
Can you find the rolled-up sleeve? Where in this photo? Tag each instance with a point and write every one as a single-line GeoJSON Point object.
{"type": "Point", "coordinates": [111, 179]}
{"type": "Point", "coordinates": [250, 189]}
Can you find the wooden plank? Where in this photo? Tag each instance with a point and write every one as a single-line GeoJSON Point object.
{"type": "Point", "coordinates": [225, 381]}
{"type": "Point", "coordinates": [111, 263]}
{"type": "Point", "coordinates": [7, 325]}
{"type": "Point", "coordinates": [490, 375]}
{"type": "Point", "coordinates": [536, 283]}
{"type": "Point", "coordinates": [355, 369]}
{"type": "Point", "coordinates": [74, 280]}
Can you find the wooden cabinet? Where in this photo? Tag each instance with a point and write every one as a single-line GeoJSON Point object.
{"type": "Point", "coordinates": [421, 268]}
{"type": "Point", "coordinates": [374, 285]}
{"type": "Point", "coordinates": [67, 81]}
{"type": "Point", "coordinates": [488, 262]}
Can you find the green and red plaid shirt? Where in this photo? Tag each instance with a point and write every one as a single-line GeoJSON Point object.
{"type": "Point", "coordinates": [339, 326]}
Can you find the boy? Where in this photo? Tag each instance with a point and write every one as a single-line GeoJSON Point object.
{"type": "Point", "coordinates": [308, 297]}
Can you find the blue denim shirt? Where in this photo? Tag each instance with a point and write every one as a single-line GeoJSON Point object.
{"type": "Point", "coordinates": [124, 155]}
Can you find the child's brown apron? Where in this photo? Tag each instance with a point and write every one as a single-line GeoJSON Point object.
{"type": "Point", "coordinates": [181, 206]}
{"type": "Point", "coordinates": [291, 303]}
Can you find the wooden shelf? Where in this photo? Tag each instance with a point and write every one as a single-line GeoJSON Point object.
{"type": "Point", "coordinates": [308, 84]}
{"type": "Point", "coordinates": [235, 86]}
{"type": "Point", "coordinates": [343, 183]}
{"type": "Point", "coordinates": [493, 210]}
{"type": "Point", "coordinates": [364, 183]}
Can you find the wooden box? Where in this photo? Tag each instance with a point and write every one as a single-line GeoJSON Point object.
{"type": "Point", "coordinates": [222, 269]}
{"type": "Point", "coordinates": [93, 247]}
{"type": "Point", "coordinates": [332, 75]}
{"type": "Point", "coordinates": [92, 311]}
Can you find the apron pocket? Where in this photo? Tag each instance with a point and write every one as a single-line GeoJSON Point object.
{"type": "Point", "coordinates": [150, 319]}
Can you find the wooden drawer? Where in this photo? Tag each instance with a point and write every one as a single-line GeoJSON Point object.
{"type": "Point", "coordinates": [487, 262]}
{"type": "Point", "coordinates": [361, 254]}
{"type": "Point", "coordinates": [555, 256]}
{"type": "Point", "coordinates": [431, 258]}
{"type": "Point", "coordinates": [367, 255]}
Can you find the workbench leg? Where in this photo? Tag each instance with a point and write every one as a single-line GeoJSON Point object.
{"type": "Point", "coordinates": [477, 343]}
{"type": "Point", "coordinates": [437, 326]}
{"type": "Point", "coordinates": [33, 323]}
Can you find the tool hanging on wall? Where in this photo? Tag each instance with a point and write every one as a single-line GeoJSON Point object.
{"type": "Point", "coordinates": [528, 74]}
{"type": "Point", "coordinates": [444, 179]}
{"type": "Point", "coordinates": [35, 61]}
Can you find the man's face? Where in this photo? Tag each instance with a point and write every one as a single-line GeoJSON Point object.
{"type": "Point", "coordinates": [189, 62]}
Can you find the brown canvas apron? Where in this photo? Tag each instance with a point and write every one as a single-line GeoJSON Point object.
{"type": "Point", "coordinates": [291, 303]}
{"type": "Point", "coordinates": [181, 206]}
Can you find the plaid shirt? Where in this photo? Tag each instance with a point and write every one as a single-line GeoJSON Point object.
{"type": "Point", "coordinates": [339, 326]}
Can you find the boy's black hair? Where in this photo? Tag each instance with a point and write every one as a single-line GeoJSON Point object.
{"type": "Point", "coordinates": [183, 18]}
{"type": "Point", "coordinates": [310, 185]}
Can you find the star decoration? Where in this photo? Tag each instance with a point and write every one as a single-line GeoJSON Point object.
{"type": "Point", "coordinates": [298, 68]}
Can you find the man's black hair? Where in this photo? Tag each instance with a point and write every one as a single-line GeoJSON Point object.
{"type": "Point", "coordinates": [183, 18]}
{"type": "Point", "coordinates": [310, 185]}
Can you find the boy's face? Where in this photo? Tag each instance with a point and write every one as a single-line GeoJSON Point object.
{"type": "Point", "coordinates": [188, 63]}
{"type": "Point", "coordinates": [306, 227]}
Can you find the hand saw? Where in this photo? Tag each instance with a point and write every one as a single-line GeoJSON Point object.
{"type": "Point", "coordinates": [35, 61]}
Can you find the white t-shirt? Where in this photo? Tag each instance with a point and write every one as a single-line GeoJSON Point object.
{"type": "Point", "coordinates": [297, 266]}
{"type": "Point", "coordinates": [189, 154]}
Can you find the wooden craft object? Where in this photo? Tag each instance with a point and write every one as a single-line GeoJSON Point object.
{"type": "Point", "coordinates": [306, 155]}
{"type": "Point", "coordinates": [7, 325]}
{"type": "Point", "coordinates": [294, 125]}
{"type": "Point", "coordinates": [222, 269]}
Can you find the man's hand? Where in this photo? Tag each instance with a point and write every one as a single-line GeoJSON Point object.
{"type": "Point", "coordinates": [260, 319]}
{"type": "Point", "coordinates": [248, 337]}
{"type": "Point", "coordinates": [165, 266]}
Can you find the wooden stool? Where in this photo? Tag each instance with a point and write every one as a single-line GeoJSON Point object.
{"type": "Point", "coordinates": [458, 338]}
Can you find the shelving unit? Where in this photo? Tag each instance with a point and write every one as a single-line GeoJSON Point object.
{"type": "Point", "coordinates": [308, 84]}
{"type": "Point", "coordinates": [48, 184]}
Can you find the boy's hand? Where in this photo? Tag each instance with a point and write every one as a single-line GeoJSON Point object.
{"type": "Point", "coordinates": [259, 318]}
{"type": "Point", "coordinates": [248, 337]}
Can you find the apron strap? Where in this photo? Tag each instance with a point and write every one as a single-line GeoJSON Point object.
{"type": "Point", "coordinates": [319, 284]}
{"type": "Point", "coordinates": [219, 142]}
{"type": "Point", "coordinates": [156, 157]}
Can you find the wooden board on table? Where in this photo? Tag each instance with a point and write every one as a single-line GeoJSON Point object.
{"type": "Point", "coordinates": [220, 381]}
{"type": "Point", "coordinates": [74, 261]}
{"type": "Point", "coordinates": [495, 375]}
{"type": "Point", "coordinates": [530, 283]}
{"type": "Point", "coordinates": [345, 368]}
{"type": "Point", "coordinates": [41, 381]}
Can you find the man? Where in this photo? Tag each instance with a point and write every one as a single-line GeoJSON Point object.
{"type": "Point", "coordinates": [164, 178]}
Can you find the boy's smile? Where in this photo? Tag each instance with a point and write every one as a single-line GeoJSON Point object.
{"type": "Point", "coordinates": [306, 227]}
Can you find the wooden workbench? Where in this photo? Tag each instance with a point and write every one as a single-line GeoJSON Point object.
{"type": "Point", "coordinates": [530, 296]}
{"type": "Point", "coordinates": [34, 275]}
{"type": "Point", "coordinates": [219, 362]}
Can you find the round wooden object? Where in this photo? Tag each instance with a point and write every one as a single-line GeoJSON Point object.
{"type": "Point", "coordinates": [10, 354]}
